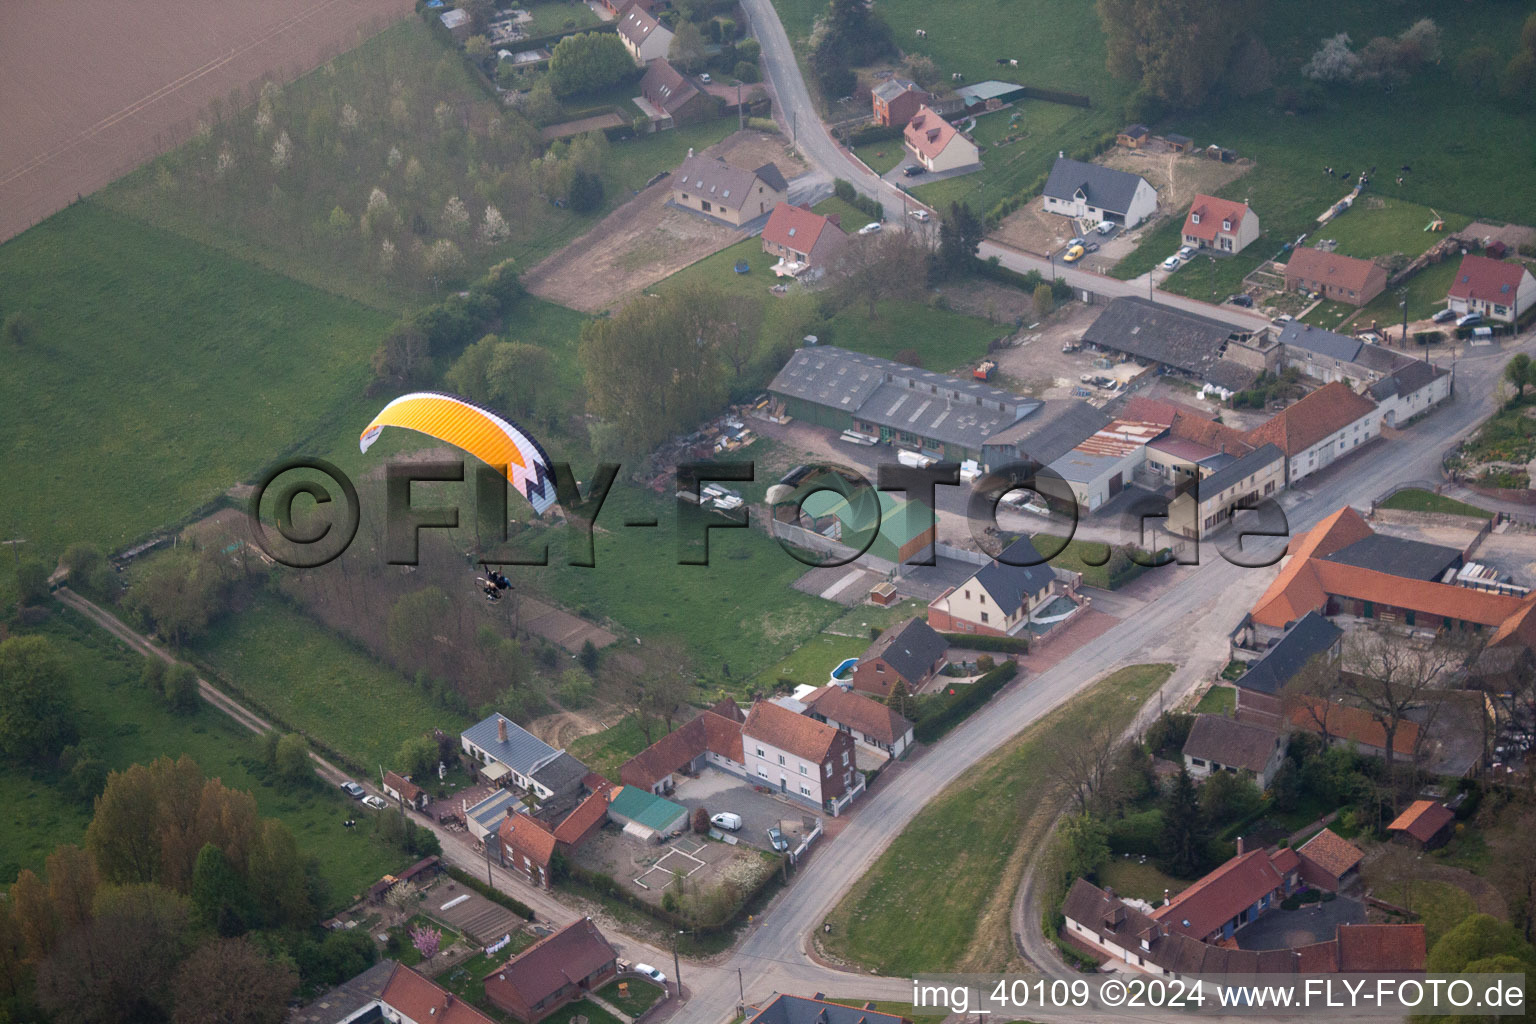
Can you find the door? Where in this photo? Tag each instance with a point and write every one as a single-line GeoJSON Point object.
{"type": "Point", "coordinates": [783, 784]}
{"type": "Point", "coordinates": [1116, 484]}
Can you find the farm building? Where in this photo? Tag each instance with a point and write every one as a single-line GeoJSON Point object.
{"type": "Point", "coordinates": [1313, 640]}
{"type": "Point", "coordinates": [990, 94]}
{"type": "Point", "coordinates": [645, 815]}
{"type": "Point", "coordinates": [1184, 344]}
{"type": "Point", "coordinates": [1044, 434]}
{"type": "Point", "coordinates": [1317, 431]}
{"type": "Point", "coordinates": [1101, 465]}
{"type": "Point", "coordinates": [903, 529]}
{"type": "Point", "coordinates": [1227, 483]}
{"type": "Point", "coordinates": [944, 416]}
{"type": "Point", "coordinates": [1411, 390]}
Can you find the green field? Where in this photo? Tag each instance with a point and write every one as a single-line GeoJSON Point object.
{"type": "Point", "coordinates": [957, 859]}
{"type": "Point", "coordinates": [850, 217]}
{"type": "Point", "coordinates": [317, 683]}
{"type": "Point", "coordinates": [127, 725]}
{"type": "Point", "coordinates": [559, 17]}
{"type": "Point", "coordinates": [812, 663]}
{"type": "Point", "coordinates": [641, 995]}
{"type": "Point", "coordinates": [605, 752]}
{"type": "Point", "coordinates": [1414, 500]}
{"type": "Point", "coordinates": [1366, 231]}
{"type": "Point", "coordinates": [1218, 700]}
{"type": "Point", "coordinates": [161, 372]}
{"type": "Point", "coordinates": [1131, 878]}
{"type": "Point", "coordinates": [881, 156]}
{"type": "Point", "coordinates": [1426, 295]}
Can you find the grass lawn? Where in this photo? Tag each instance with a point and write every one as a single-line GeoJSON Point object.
{"type": "Point", "coordinates": [1426, 295]}
{"type": "Point", "coordinates": [881, 156]}
{"type": "Point", "coordinates": [1440, 905]}
{"type": "Point", "coordinates": [813, 662]}
{"type": "Point", "coordinates": [408, 954]}
{"type": "Point", "coordinates": [1158, 244]}
{"type": "Point", "coordinates": [581, 1008]}
{"type": "Point", "coordinates": [1129, 877]}
{"type": "Point", "coordinates": [467, 979]}
{"type": "Point", "coordinates": [559, 17]}
{"type": "Point", "coordinates": [1218, 700]}
{"type": "Point", "coordinates": [1366, 232]}
{"type": "Point", "coordinates": [641, 995]}
{"type": "Point", "coordinates": [862, 618]}
{"type": "Point", "coordinates": [906, 1010]}
{"type": "Point", "coordinates": [318, 683]}
{"type": "Point", "coordinates": [849, 216]}
{"type": "Point", "coordinates": [127, 726]}
{"type": "Point", "coordinates": [1330, 315]}
{"type": "Point", "coordinates": [161, 372]}
{"type": "Point", "coordinates": [1415, 500]}
{"type": "Point", "coordinates": [959, 860]}
{"type": "Point", "coordinates": [604, 752]}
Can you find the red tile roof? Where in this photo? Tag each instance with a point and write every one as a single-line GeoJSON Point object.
{"type": "Point", "coordinates": [796, 227]}
{"type": "Point", "coordinates": [1381, 948]}
{"type": "Point", "coordinates": [707, 732]}
{"type": "Point", "coordinates": [527, 836]}
{"type": "Point", "coordinates": [780, 727]}
{"type": "Point", "coordinates": [858, 712]}
{"type": "Point", "coordinates": [587, 813]}
{"type": "Point", "coordinates": [1487, 280]}
{"type": "Point", "coordinates": [928, 133]}
{"type": "Point", "coordinates": [1297, 590]}
{"type": "Point", "coordinates": [571, 954]}
{"type": "Point", "coordinates": [1352, 724]}
{"type": "Point", "coordinates": [1213, 435]}
{"type": "Point", "coordinates": [1318, 958]}
{"type": "Point", "coordinates": [407, 789]}
{"type": "Point", "coordinates": [1330, 268]}
{"type": "Point", "coordinates": [636, 23]}
{"type": "Point", "coordinates": [1212, 213]}
{"type": "Point", "coordinates": [1285, 860]}
{"type": "Point", "coordinates": [1300, 426]}
{"type": "Point", "coordinates": [1331, 852]}
{"type": "Point", "coordinates": [1158, 410]}
{"type": "Point", "coordinates": [1422, 820]}
{"type": "Point", "coordinates": [1221, 895]}
{"type": "Point", "coordinates": [421, 1000]}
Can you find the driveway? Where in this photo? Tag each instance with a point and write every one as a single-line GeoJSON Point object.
{"type": "Point", "coordinates": [1286, 929]}
{"type": "Point", "coordinates": [898, 178]}
{"type": "Point", "coordinates": [716, 791]}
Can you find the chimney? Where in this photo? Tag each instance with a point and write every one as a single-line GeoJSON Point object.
{"type": "Point", "coordinates": [690, 151]}
{"type": "Point", "coordinates": [501, 730]}
{"type": "Point", "coordinates": [1165, 895]}
{"type": "Point", "coordinates": [1061, 154]}
{"type": "Point", "coordinates": [1239, 846]}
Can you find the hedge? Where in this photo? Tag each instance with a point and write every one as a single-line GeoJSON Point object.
{"type": "Point", "coordinates": [605, 886]}
{"type": "Point", "coordinates": [975, 642]}
{"type": "Point", "coordinates": [844, 190]}
{"type": "Point", "coordinates": [1085, 154]}
{"type": "Point", "coordinates": [1071, 99]}
{"type": "Point", "coordinates": [494, 895]}
{"type": "Point", "coordinates": [992, 268]}
{"type": "Point", "coordinates": [874, 133]}
{"type": "Point", "coordinates": [763, 124]}
{"type": "Point", "coordinates": [1140, 833]}
{"type": "Point", "coordinates": [930, 727]}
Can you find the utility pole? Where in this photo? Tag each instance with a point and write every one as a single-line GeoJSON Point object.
{"type": "Point", "coordinates": [1402, 295]}
{"type": "Point", "coordinates": [741, 1005]}
{"type": "Point", "coordinates": [740, 114]}
{"type": "Point", "coordinates": [677, 969]}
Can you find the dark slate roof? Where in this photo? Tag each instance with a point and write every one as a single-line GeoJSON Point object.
{"type": "Point", "coordinates": [892, 88]}
{"type": "Point", "coordinates": [1397, 556]}
{"type": "Point", "coordinates": [561, 772]}
{"type": "Point", "coordinates": [1104, 187]}
{"type": "Point", "coordinates": [1231, 743]}
{"type": "Point", "coordinates": [1009, 584]}
{"type": "Point", "coordinates": [787, 1009]}
{"type": "Point", "coordinates": [1048, 433]}
{"type": "Point", "coordinates": [1378, 359]}
{"type": "Point", "coordinates": [348, 998]}
{"type": "Point", "coordinates": [910, 648]}
{"type": "Point", "coordinates": [1311, 636]}
{"type": "Point", "coordinates": [522, 751]}
{"type": "Point", "coordinates": [1315, 339]}
{"type": "Point", "coordinates": [1148, 330]}
{"type": "Point", "coordinates": [917, 410]}
{"type": "Point", "coordinates": [1408, 379]}
{"type": "Point", "coordinates": [772, 177]}
{"type": "Point", "coordinates": [1236, 470]}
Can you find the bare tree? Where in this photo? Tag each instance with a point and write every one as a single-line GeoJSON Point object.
{"type": "Point", "coordinates": [875, 267]}
{"type": "Point", "coordinates": [1389, 676]}
{"type": "Point", "coordinates": [1309, 697]}
{"type": "Point", "coordinates": [1081, 763]}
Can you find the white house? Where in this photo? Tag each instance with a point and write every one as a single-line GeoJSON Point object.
{"type": "Point", "coordinates": [1320, 429]}
{"type": "Point", "coordinates": [1220, 224]}
{"type": "Point", "coordinates": [1412, 390]}
{"type": "Point", "coordinates": [1095, 193]}
{"type": "Point", "coordinates": [875, 728]}
{"type": "Point", "coordinates": [508, 753]}
{"type": "Point", "coordinates": [1217, 743]}
{"type": "Point", "coordinates": [935, 143]}
{"type": "Point", "coordinates": [1497, 290]}
{"type": "Point", "coordinates": [643, 36]}
{"type": "Point", "coordinates": [802, 758]}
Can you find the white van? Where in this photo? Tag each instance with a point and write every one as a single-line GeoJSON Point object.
{"type": "Point", "coordinates": [727, 820]}
{"type": "Point", "coordinates": [1104, 227]}
{"type": "Point", "coordinates": [916, 459]}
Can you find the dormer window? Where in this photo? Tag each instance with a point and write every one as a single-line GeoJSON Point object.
{"type": "Point", "coordinates": [1194, 218]}
{"type": "Point", "coordinates": [1226, 225]}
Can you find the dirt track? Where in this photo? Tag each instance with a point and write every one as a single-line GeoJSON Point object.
{"type": "Point", "coordinates": [90, 89]}
{"type": "Point", "coordinates": [645, 240]}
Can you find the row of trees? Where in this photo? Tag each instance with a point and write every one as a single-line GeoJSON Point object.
{"type": "Point", "coordinates": [1183, 52]}
{"type": "Point", "coordinates": [850, 34]}
{"type": "Point", "coordinates": [1385, 60]}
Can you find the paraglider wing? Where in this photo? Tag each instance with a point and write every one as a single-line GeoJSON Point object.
{"type": "Point", "coordinates": [477, 430]}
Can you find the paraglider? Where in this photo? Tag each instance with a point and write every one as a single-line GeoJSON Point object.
{"type": "Point", "coordinates": [479, 431]}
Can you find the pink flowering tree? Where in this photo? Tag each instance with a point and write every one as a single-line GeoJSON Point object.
{"type": "Point", "coordinates": [427, 941]}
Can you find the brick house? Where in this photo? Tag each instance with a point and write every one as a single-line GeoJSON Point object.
{"type": "Point", "coordinates": [896, 101]}
{"type": "Point", "coordinates": [1334, 276]}
{"type": "Point", "coordinates": [804, 759]}
{"type": "Point", "coordinates": [911, 653]}
{"type": "Point", "coordinates": [806, 243]}
{"type": "Point", "coordinates": [556, 970]}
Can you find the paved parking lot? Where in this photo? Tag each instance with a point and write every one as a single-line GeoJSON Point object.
{"type": "Point", "coordinates": [1287, 929]}
{"type": "Point", "coordinates": [716, 791]}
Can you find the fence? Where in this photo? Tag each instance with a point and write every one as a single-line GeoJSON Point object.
{"type": "Point", "coordinates": [812, 541]}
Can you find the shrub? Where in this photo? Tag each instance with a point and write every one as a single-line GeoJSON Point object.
{"type": "Point", "coordinates": [747, 71]}
{"type": "Point", "coordinates": [930, 726]}
{"type": "Point", "coordinates": [1004, 644]}
{"type": "Point", "coordinates": [1139, 834]}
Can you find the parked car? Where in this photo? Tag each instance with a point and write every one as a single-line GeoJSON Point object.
{"type": "Point", "coordinates": [1104, 227]}
{"type": "Point", "coordinates": [1172, 263]}
{"type": "Point", "coordinates": [651, 972]}
{"type": "Point", "coordinates": [726, 820]}
{"type": "Point", "coordinates": [1282, 319]}
{"type": "Point", "coordinates": [776, 839]}
{"type": "Point", "coordinates": [1371, 338]}
{"type": "Point", "coordinates": [1074, 241]}
{"type": "Point", "coordinates": [704, 78]}
{"type": "Point", "coordinates": [1187, 253]}
{"type": "Point", "coordinates": [1072, 255]}
{"type": "Point", "coordinates": [376, 802]}
{"type": "Point", "coordinates": [1246, 301]}
{"type": "Point", "coordinates": [353, 790]}
{"type": "Point", "coordinates": [1470, 320]}
{"type": "Point", "coordinates": [1444, 316]}
{"type": "Point", "coordinates": [921, 216]}
{"type": "Point", "coordinates": [1091, 247]}
{"type": "Point", "coordinates": [912, 170]}
{"type": "Point", "coordinates": [870, 228]}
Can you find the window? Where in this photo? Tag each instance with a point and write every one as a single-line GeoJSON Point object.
{"type": "Point", "coordinates": [967, 595]}
{"type": "Point", "coordinates": [983, 616]}
{"type": "Point", "coordinates": [1198, 761]}
{"type": "Point", "coordinates": [762, 772]}
{"type": "Point", "coordinates": [829, 769]}
{"type": "Point", "coordinates": [803, 770]}
{"type": "Point", "coordinates": [845, 759]}
{"type": "Point", "coordinates": [805, 790]}
{"type": "Point", "coordinates": [781, 759]}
